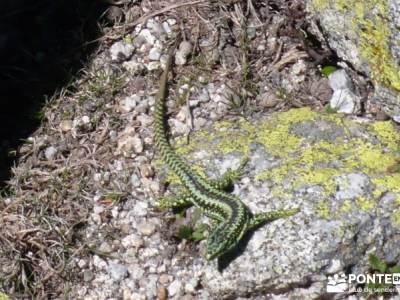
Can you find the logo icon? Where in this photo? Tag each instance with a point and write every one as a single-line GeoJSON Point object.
{"type": "Point", "coordinates": [337, 284]}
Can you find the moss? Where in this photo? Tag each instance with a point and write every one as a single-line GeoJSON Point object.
{"type": "Point", "coordinates": [368, 19]}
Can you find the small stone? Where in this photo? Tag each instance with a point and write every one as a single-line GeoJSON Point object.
{"type": "Point", "coordinates": [135, 181]}
{"type": "Point", "coordinates": [396, 118]}
{"type": "Point", "coordinates": [127, 295]}
{"type": "Point", "coordinates": [87, 275]}
{"type": "Point", "coordinates": [66, 125]}
{"type": "Point", "coordinates": [199, 122]}
{"type": "Point", "coordinates": [164, 279]}
{"type": "Point", "coordinates": [181, 115]}
{"type": "Point", "coordinates": [185, 48]}
{"type": "Point", "coordinates": [143, 106]}
{"type": "Point", "coordinates": [50, 152]}
{"type": "Point", "coordinates": [85, 120]}
{"type": "Point", "coordinates": [82, 263]}
{"type": "Point", "coordinates": [144, 120]}
{"type": "Point", "coordinates": [334, 267]}
{"type": "Point", "coordinates": [137, 144]}
{"type": "Point", "coordinates": [114, 14]}
{"type": "Point", "coordinates": [129, 103]}
{"type": "Point", "coordinates": [269, 99]}
{"type": "Point", "coordinates": [146, 229]}
{"type": "Point", "coordinates": [345, 101]}
{"type": "Point", "coordinates": [154, 54]}
{"type": "Point", "coordinates": [132, 240]}
{"type": "Point", "coordinates": [121, 51]}
{"type": "Point", "coordinates": [125, 228]}
{"type": "Point", "coordinates": [117, 271]}
{"type": "Point", "coordinates": [339, 80]}
{"type": "Point", "coordinates": [153, 65]}
{"type": "Point", "coordinates": [162, 293]}
{"type": "Point", "coordinates": [98, 262]}
{"type": "Point", "coordinates": [167, 28]}
{"type": "Point", "coordinates": [175, 288]}
{"type": "Point", "coordinates": [382, 116]}
{"type": "Point", "coordinates": [128, 145]}
{"type": "Point", "coordinates": [190, 287]}
{"type": "Point", "coordinates": [140, 209]}
{"type": "Point", "coordinates": [147, 36]}
{"type": "Point", "coordinates": [146, 170]}
{"type": "Point", "coordinates": [133, 66]}
{"type": "Point", "coordinates": [105, 247]}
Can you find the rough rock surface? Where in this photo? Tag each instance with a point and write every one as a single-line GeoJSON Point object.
{"type": "Point", "coordinates": [364, 33]}
{"type": "Point", "coordinates": [334, 169]}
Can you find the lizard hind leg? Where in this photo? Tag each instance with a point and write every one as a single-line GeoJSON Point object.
{"type": "Point", "coordinates": [182, 200]}
{"type": "Point", "coordinates": [262, 218]}
{"type": "Point", "coordinates": [227, 179]}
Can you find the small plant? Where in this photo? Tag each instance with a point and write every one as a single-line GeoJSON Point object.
{"type": "Point", "coordinates": [328, 70]}
{"type": "Point", "coordinates": [192, 234]}
{"type": "Point", "coordinates": [379, 266]}
{"type": "Point", "coordinates": [330, 110]}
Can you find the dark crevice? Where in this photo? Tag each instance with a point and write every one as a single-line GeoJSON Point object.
{"type": "Point", "coordinates": [43, 44]}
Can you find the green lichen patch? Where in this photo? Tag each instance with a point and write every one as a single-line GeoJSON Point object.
{"type": "Point", "coordinates": [307, 149]}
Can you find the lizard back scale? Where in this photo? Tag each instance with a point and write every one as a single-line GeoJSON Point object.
{"type": "Point", "coordinates": [233, 218]}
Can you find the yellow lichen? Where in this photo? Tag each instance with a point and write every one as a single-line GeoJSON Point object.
{"type": "Point", "coordinates": [302, 162]}
{"type": "Point", "coordinates": [365, 204]}
{"type": "Point", "coordinates": [396, 217]}
{"type": "Point", "coordinates": [388, 182]}
{"type": "Point", "coordinates": [323, 210]}
{"type": "Point", "coordinates": [388, 135]}
{"type": "Point", "coordinates": [346, 207]}
{"type": "Point", "coordinates": [368, 19]}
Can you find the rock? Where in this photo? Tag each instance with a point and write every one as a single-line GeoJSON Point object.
{"type": "Point", "coordinates": [339, 80]}
{"type": "Point", "coordinates": [190, 287]}
{"type": "Point", "coordinates": [66, 125]}
{"type": "Point", "coordinates": [362, 33]}
{"type": "Point", "coordinates": [129, 146]}
{"type": "Point", "coordinates": [345, 101]}
{"type": "Point", "coordinates": [88, 275]}
{"type": "Point", "coordinates": [269, 99]}
{"type": "Point", "coordinates": [165, 279]}
{"type": "Point", "coordinates": [154, 54]}
{"type": "Point", "coordinates": [133, 66]}
{"type": "Point", "coordinates": [162, 293]}
{"type": "Point", "coordinates": [50, 152]}
{"type": "Point", "coordinates": [132, 240]}
{"type": "Point", "coordinates": [185, 48]}
{"type": "Point", "coordinates": [146, 228]}
{"type": "Point", "coordinates": [114, 14]}
{"type": "Point", "coordinates": [145, 120]}
{"type": "Point", "coordinates": [129, 103]}
{"type": "Point", "coordinates": [147, 36]}
{"type": "Point", "coordinates": [299, 159]}
{"type": "Point", "coordinates": [181, 115]}
{"type": "Point", "coordinates": [352, 186]}
{"type": "Point", "coordinates": [117, 271]}
{"type": "Point", "coordinates": [143, 106]}
{"type": "Point", "coordinates": [105, 247]}
{"type": "Point", "coordinates": [146, 170]}
{"type": "Point", "coordinates": [121, 51]}
{"type": "Point", "coordinates": [175, 288]}
{"type": "Point", "coordinates": [140, 209]}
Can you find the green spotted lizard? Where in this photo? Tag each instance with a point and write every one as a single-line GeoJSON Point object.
{"type": "Point", "coordinates": [232, 218]}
